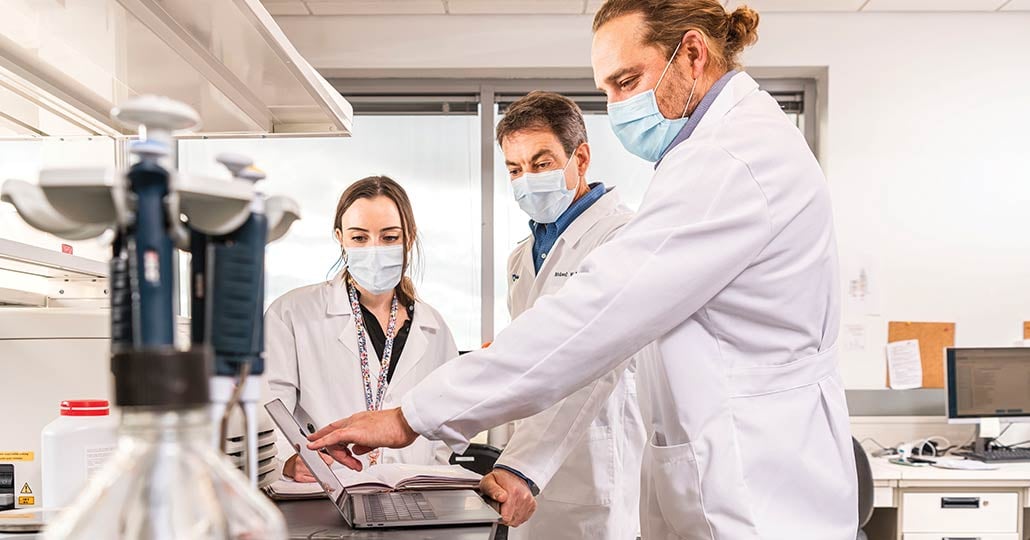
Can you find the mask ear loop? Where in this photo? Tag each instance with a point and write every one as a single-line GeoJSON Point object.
{"type": "Point", "coordinates": [573, 156]}
{"type": "Point", "coordinates": [689, 98]}
{"type": "Point", "coordinates": [571, 159]}
{"type": "Point", "coordinates": [662, 77]}
{"type": "Point", "coordinates": [668, 65]}
{"type": "Point", "coordinates": [341, 263]}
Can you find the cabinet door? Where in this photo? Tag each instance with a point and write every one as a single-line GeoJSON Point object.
{"type": "Point", "coordinates": [961, 513]}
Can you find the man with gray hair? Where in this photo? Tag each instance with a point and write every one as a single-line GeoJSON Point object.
{"type": "Point", "coordinates": [582, 455]}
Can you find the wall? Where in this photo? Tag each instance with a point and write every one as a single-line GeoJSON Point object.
{"type": "Point", "coordinates": [924, 146]}
{"type": "Point", "coordinates": [923, 139]}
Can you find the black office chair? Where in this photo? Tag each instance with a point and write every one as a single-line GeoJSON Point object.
{"type": "Point", "coordinates": [865, 488]}
{"type": "Point", "coordinates": [479, 458]}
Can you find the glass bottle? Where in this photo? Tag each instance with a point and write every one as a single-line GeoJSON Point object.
{"type": "Point", "coordinates": [166, 482]}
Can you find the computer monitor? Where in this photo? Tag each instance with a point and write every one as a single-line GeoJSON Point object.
{"type": "Point", "coordinates": [987, 385]}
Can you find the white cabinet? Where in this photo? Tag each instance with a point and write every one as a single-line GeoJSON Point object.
{"type": "Point", "coordinates": [986, 515]}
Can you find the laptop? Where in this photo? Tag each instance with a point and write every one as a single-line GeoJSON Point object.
{"type": "Point", "coordinates": [377, 510]}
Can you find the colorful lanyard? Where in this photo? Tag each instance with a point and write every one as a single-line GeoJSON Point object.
{"type": "Point", "coordinates": [373, 403]}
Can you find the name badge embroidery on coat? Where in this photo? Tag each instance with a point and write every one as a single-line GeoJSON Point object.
{"type": "Point", "coordinates": [565, 274]}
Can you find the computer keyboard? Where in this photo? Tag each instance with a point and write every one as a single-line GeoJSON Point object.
{"type": "Point", "coordinates": [999, 455]}
{"type": "Point", "coordinates": [404, 506]}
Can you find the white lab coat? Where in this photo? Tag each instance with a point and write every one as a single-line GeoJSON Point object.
{"type": "Point", "coordinates": [583, 452]}
{"type": "Point", "coordinates": [312, 359]}
{"type": "Point", "coordinates": [731, 263]}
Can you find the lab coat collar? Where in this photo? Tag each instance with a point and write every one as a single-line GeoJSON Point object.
{"type": "Point", "coordinates": [737, 88]}
{"type": "Point", "coordinates": [525, 263]}
{"type": "Point", "coordinates": [583, 223]}
{"type": "Point", "coordinates": [424, 321]}
{"type": "Point", "coordinates": [338, 303]}
{"type": "Point", "coordinates": [414, 348]}
{"type": "Point", "coordinates": [727, 92]}
{"type": "Point", "coordinates": [573, 233]}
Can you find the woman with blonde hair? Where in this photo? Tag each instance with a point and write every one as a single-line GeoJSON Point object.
{"type": "Point", "coordinates": [360, 340]}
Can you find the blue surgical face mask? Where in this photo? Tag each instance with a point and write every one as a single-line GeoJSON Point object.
{"type": "Point", "coordinates": [377, 269]}
{"type": "Point", "coordinates": [641, 126]}
{"type": "Point", "coordinates": [544, 196]}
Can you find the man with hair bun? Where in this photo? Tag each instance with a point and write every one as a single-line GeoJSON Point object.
{"type": "Point", "coordinates": [730, 264]}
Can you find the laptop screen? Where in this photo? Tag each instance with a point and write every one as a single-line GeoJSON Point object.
{"type": "Point", "coordinates": [299, 440]}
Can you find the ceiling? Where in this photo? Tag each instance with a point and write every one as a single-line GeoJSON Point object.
{"type": "Point", "coordinates": [578, 7]}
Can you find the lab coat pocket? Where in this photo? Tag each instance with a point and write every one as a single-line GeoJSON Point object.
{"type": "Point", "coordinates": [675, 478]}
{"type": "Point", "coordinates": [588, 475]}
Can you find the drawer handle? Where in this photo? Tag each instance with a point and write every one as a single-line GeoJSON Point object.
{"type": "Point", "coordinates": [960, 502]}
{"type": "Point", "coordinates": [960, 538]}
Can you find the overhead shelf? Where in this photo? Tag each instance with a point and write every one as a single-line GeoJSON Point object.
{"type": "Point", "coordinates": [40, 262]}
{"type": "Point", "coordinates": [16, 297]}
{"type": "Point", "coordinates": [64, 64]}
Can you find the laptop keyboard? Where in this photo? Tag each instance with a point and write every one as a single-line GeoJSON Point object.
{"type": "Point", "coordinates": [404, 506]}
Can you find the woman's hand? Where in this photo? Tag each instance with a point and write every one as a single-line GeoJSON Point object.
{"type": "Point", "coordinates": [296, 469]}
{"type": "Point", "coordinates": [366, 431]}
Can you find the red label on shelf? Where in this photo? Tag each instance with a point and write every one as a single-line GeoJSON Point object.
{"type": "Point", "coordinates": [65, 248]}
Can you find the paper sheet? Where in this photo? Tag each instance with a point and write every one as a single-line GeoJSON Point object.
{"type": "Point", "coordinates": [904, 364]}
{"type": "Point", "coordinates": [854, 337]}
{"type": "Point", "coordinates": [380, 478]}
{"type": "Point", "coordinates": [863, 296]}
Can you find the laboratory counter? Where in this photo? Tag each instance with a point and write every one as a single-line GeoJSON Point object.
{"type": "Point", "coordinates": [319, 520]}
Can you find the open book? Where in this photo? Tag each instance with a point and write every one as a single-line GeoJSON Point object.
{"type": "Point", "coordinates": [384, 477]}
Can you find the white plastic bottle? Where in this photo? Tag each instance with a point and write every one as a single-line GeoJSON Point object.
{"type": "Point", "coordinates": [75, 445]}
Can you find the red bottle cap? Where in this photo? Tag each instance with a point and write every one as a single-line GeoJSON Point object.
{"type": "Point", "coordinates": [85, 407]}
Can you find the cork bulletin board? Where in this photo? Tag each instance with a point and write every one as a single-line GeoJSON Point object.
{"type": "Point", "coordinates": [933, 338]}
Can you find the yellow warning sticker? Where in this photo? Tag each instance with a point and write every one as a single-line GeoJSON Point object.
{"type": "Point", "coordinates": [17, 456]}
{"type": "Point", "coordinates": [26, 490]}
{"type": "Point", "coordinates": [27, 501]}
{"type": "Point", "coordinates": [8, 515]}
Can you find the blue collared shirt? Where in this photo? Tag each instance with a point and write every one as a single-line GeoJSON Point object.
{"type": "Point", "coordinates": [699, 112]}
{"type": "Point", "coordinates": [546, 234]}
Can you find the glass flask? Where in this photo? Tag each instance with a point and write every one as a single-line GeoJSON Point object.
{"type": "Point", "coordinates": [167, 482]}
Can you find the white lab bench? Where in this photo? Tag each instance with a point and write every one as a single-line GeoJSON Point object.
{"type": "Point", "coordinates": [928, 503]}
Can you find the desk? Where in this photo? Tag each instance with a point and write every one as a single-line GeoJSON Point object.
{"type": "Point", "coordinates": [909, 502]}
{"type": "Point", "coordinates": [318, 520]}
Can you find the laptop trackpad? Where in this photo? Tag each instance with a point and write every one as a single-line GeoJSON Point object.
{"type": "Point", "coordinates": [460, 504]}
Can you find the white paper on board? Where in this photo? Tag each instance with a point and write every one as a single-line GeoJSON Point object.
{"type": "Point", "coordinates": [904, 364]}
